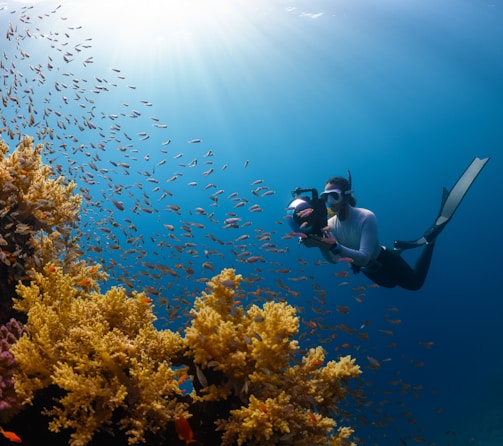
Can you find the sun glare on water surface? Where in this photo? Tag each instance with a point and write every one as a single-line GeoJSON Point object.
{"type": "Point", "coordinates": [157, 21]}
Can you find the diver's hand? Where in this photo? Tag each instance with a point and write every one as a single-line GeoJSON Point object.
{"type": "Point", "coordinates": [308, 241]}
{"type": "Point", "coordinates": [313, 241]}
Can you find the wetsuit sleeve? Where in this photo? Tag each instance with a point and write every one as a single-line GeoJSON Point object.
{"type": "Point", "coordinates": [368, 241]}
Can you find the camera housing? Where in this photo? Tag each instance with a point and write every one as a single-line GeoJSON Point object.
{"type": "Point", "coordinates": [307, 214]}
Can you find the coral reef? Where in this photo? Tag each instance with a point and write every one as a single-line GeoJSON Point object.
{"type": "Point", "coordinates": [9, 334]}
{"type": "Point", "coordinates": [109, 368]}
{"type": "Point", "coordinates": [253, 350]}
{"type": "Point", "coordinates": [102, 351]}
{"type": "Point", "coordinates": [90, 367]}
{"type": "Point", "coordinates": [37, 213]}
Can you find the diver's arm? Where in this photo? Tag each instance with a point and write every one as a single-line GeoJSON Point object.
{"type": "Point", "coordinates": [324, 243]}
{"type": "Point", "coordinates": [368, 241]}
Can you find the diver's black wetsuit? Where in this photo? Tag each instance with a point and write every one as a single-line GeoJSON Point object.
{"type": "Point", "coordinates": [389, 269]}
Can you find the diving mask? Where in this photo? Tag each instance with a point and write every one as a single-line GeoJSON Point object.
{"type": "Point", "coordinates": [334, 196]}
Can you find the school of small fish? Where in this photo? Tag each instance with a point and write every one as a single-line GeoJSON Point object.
{"type": "Point", "coordinates": [155, 214]}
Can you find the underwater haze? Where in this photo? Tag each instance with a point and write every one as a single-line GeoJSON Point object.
{"type": "Point", "coordinates": [174, 116]}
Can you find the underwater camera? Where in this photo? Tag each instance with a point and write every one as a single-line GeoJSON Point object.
{"type": "Point", "coordinates": [307, 214]}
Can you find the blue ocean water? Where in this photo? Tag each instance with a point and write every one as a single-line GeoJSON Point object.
{"type": "Point", "coordinates": [193, 112]}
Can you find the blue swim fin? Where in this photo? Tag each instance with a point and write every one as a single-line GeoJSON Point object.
{"type": "Point", "coordinates": [450, 202]}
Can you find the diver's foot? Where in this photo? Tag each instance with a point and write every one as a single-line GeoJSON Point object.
{"type": "Point", "coordinates": [431, 234]}
{"type": "Point", "coordinates": [400, 245]}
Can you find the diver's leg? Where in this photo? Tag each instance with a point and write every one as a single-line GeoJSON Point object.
{"type": "Point", "coordinates": [395, 271]}
{"type": "Point", "coordinates": [431, 234]}
{"type": "Point", "coordinates": [423, 265]}
{"type": "Point", "coordinates": [381, 271]}
{"type": "Point", "coordinates": [381, 277]}
{"type": "Point", "coordinates": [392, 270]}
{"type": "Point", "coordinates": [403, 274]}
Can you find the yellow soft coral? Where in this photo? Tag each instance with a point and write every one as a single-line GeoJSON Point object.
{"type": "Point", "coordinates": [102, 350]}
{"type": "Point", "coordinates": [37, 214]}
{"type": "Point", "coordinates": [253, 350]}
{"type": "Point", "coordinates": [112, 369]}
{"type": "Point", "coordinates": [105, 356]}
{"type": "Point", "coordinates": [236, 342]}
{"type": "Point", "coordinates": [275, 421]}
{"type": "Point", "coordinates": [216, 328]}
{"type": "Point", "coordinates": [294, 405]}
{"type": "Point", "coordinates": [28, 186]}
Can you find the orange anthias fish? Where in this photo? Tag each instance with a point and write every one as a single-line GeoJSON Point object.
{"type": "Point", "coordinates": [10, 436]}
{"type": "Point", "coordinates": [184, 431]}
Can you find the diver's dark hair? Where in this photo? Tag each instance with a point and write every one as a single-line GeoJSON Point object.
{"type": "Point", "coordinates": [342, 184]}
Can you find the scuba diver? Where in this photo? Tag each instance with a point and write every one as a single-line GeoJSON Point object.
{"type": "Point", "coordinates": [350, 235]}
